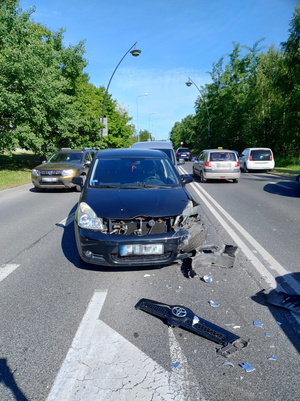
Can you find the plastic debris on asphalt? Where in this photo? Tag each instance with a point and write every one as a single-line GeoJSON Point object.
{"type": "Point", "coordinates": [175, 365]}
{"type": "Point", "coordinates": [213, 304]}
{"type": "Point", "coordinates": [247, 367]}
{"type": "Point", "coordinates": [228, 364]}
{"type": "Point", "coordinates": [207, 279]}
{"type": "Point", "coordinates": [267, 335]}
{"type": "Point", "coordinates": [257, 323]}
{"type": "Point", "coordinates": [272, 358]}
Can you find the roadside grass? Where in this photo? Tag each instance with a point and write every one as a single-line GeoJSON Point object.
{"type": "Point", "coordinates": [15, 168]}
{"type": "Point", "coordinates": [285, 166]}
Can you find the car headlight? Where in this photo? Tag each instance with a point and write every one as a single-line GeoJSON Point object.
{"type": "Point", "coordinates": [35, 173]}
{"type": "Point", "coordinates": [66, 173]}
{"type": "Point", "coordinates": [87, 218]}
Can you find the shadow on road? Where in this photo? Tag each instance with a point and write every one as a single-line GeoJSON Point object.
{"type": "Point", "coordinates": [284, 188]}
{"type": "Point", "coordinates": [284, 316]}
{"type": "Point", "coordinates": [7, 378]}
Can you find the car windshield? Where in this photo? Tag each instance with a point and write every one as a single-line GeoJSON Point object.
{"type": "Point", "coordinates": [133, 173]}
{"type": "Point", "coordinates": [222, 156]}
{"type": "Point", "coordinates": [261, 154]}
{"type": "Point", "coordinates": [66, 158]}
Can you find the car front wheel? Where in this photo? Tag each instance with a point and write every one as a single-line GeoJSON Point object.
{"type": "Point", "coordinates": [202, 179]}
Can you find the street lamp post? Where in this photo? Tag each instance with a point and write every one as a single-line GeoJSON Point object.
{"type": "Point", "coordinates": [135, 53]}
{"type": "Point", "coordinates": [149, 123]}
{"type": "Point", "coordinates": [137, 114]}
{"type": "Point", "coordinates": [190, 82]}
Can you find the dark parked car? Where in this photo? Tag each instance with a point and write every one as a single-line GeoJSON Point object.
{"type": "Point", "coordinates": [134, 210]}
{"type": "Point", "coordinates": [63, 165]}
{"type": "Point", "coordinates": [184, 153]}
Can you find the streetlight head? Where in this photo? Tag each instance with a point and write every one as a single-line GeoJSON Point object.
{"type": "Point", "coordinates": [188, 83]}
{"type": "Point", "coordinates": [135, 52]}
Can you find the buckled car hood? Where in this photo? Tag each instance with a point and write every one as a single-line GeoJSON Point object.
{"type": "Point", "coordinates": [127, 203]}
{"type": "Point", "coordinates": [57, 166]}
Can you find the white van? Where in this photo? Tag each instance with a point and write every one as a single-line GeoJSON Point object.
{"type": "Point", "coordinates": [164, 146]}
{"type": "Point", "coordinates": [257, 159]}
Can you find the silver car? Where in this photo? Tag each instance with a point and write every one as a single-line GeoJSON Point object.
{"type": "Point", "coordinates": [217, 164]}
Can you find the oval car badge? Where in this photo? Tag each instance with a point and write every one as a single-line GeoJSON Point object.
{"type": "Point", "coordinates": [179, 311]}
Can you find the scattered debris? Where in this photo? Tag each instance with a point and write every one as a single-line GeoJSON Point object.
{"type": "Point", "coordinates": [213, 304]}
{"type": "Point", "coordinates": [228, 364]}
{"type": "Point", "coordinates": [279, 323]}
{"type": "Point", "coordinates": [180, 316]}
{"type": "Point", "coordinates": [207, 279]}
{"type": "Point", "coordinates": [283, 299]}
{"type": "Point", "coordinates": [257, 323]}
{"type": "Point", "coordinates": [175, 365]}
{"type": "Point", "coordinates": [267, 335]}
{"type": "Point", "coordinates": [247, 367]}
{"type": "Point", "coordinates": [272, 358]}
{"type": "Point", "coordinates": [210, 255]}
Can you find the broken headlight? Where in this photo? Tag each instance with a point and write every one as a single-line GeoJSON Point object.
{"type": "Point", "coordinates": [87, 218]}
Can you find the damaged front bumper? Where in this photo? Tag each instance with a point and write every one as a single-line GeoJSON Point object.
{"type": "Point", "coordinates": [180, 316]}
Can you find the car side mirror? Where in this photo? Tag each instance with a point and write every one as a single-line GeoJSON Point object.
{"type": "Point", "coordinates": [77, 181]}
{"type": "Point", "coordinates": [186, 179]}
{"type": "Point", "coordinates": [88, 163]}
{"type": "Point", "coordinates": [181, 162]}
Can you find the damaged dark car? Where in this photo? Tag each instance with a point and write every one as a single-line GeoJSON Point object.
{"type": "Point", "coordinates": [134, 210]}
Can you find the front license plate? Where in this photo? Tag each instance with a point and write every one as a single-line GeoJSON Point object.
{"type": "Point", "coordinates": [49, 179]}
{"type": "Point", "coordinates": [138, 249]}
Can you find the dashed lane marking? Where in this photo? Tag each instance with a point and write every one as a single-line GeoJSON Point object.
{"type": "Point", "coordinates": [6, 269]}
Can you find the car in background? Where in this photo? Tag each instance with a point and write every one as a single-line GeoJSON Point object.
{"type": "Point", "coordinates": [217, 164]}
{"type": "Point", "coordinates": [257, 159]}
{"type": "Point", "coordinates": [184, 153]}
{"type": "Point", "coordinates": [63, 165]}
{"type": "Point", "coordinates": [134, 210]}
{"type": "Point", "coordinates": [164, 146]}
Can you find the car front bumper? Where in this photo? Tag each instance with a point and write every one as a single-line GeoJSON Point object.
{"type": "Point", "coordinates": [105, 249]}
{"type": "Point", "coordinates": [56, 183]}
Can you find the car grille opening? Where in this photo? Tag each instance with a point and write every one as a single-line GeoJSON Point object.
{"type": "Point", "coordinates": [140, 225]}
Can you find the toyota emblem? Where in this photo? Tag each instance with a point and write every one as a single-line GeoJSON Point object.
{"type": "Point", "coordinates": [178, 311]}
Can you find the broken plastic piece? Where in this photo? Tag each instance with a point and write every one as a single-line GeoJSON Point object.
{"type": "Point", "coordinates": [247, 367]}
{"type": "Point", "coordinates": [272, 358]}
{"type": "Point", "coordinates": [207, 279]}
{"type": "Point", "coordinates": [180, 316]}
{"type": "Point", "coordinates": [228, 363]}
{"type": "Point", "coordinates": [214, 304]}
{"type": "Point", "coordinates": [279, 323]}
{"type": "Point", "coordinates": [257, 323]}
{"type": "Point", "coordinates": [283, 300]}
{"type": "Point", "coordinates": [175, 365]}
{"type": "Point", "coordinates": [267, 335]}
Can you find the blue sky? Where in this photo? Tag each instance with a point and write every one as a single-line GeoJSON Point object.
{"type": "Point", "coordinates": [178, 39]}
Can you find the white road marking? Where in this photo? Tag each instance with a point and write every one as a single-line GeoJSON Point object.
{"type": "Point", "coordinates": [6, 269]}
{"type": "Point", "coordinates": [280, 185]}
{"type": "Point", "coordinates": [271, 262]}
{"type": "Point", "coordinates": [103, 365]}
{"type": "Point", "coordinates": [68, 220]}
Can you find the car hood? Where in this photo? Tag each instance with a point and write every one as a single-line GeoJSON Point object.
{"type": "Point", "coordinates": [57, 166]}
{"type": "Point", "coordinates": [128, 203]}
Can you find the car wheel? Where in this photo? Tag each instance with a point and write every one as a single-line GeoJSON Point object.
{"type": "Point", "coordinates": [198, 232]}
{"type": "Point", "coordinates": [202, 179]}
{"type": "Point", "coordinates": [194, 173]}
{"type": "Point", "coordinates": [37, 189]}
{"type": "Point", "coordinates": [245, 168]}
{"type": "Point", "coordinates": [235, 180]}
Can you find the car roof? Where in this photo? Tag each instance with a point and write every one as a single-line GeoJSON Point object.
{"type": "Point", "coordinates": [69, 150]}
{"type": "Point", "coordinates": [153, 144]}
{"type": "Point", "coordinates": [131, 153]}
{"type": "Point", "coordinates": [218, 150]}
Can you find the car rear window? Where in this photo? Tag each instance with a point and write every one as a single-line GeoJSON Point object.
{"type": "Point", "coordinates": [222, 156]}
{"type": "Point", "coordinates": [183, 150]}
{"type": "Point", "coordinates": [261, 154]}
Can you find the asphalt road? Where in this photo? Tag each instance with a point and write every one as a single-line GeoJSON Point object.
{"type": "Point", "coordinates": [71, 332]}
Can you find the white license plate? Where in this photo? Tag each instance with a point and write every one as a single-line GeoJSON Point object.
{"type": "Point", "coordinates": [138, 249]}
{"type": "Point", "coordinates": [49, 179]}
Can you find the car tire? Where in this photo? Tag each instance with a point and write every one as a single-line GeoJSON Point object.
{"type": "Point", "coordinates": [198, 233]}
{"type": "Point", "coordinates": [194, 173]}
{"type": "Point", "coordinates": [202, 179]}
{"type": "Point", "coordinates": [235, 180]}
{"type": "Point", "coordinates": [245, 170]}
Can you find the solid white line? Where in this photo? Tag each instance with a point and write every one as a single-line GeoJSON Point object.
{"type": "Point", "coordinates": [272, 263]}
{"type": "Point", "coordinates": [6, 269]}
{"type": "Point", "coordinates": [103, 365]}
